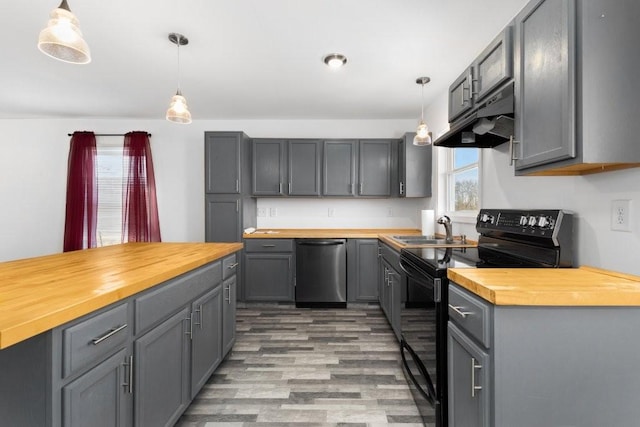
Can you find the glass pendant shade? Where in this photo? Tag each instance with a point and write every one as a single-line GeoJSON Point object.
{"type": "Point", "coordinates": [423, 137]}
{"type": "Point", "coordinates": [178, 111]}
{"type": "Point", "coordinates": [62, 38]}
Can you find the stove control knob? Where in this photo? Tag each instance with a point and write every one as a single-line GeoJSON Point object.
{"type": "Point", "coordinates": [524, 220]}
{"type": "Point", "coordinates": [532, 221]}
{"type": "Point", "coordinates": [485, 218]}
{"type": "Point", "coordinates": [545, 222]}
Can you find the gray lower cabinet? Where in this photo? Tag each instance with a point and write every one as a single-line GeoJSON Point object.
{"type": "Point", "coordinates": [390, 285]}
{"type": "Point", "coordinates": [229, 304]}
{"type": "Point", "coordinates": [206, 337]}
{"type": "Point", "coordinates": [269, 265]}
{"type": "Point", "coordinates": [531, 366]}
{"type": "Point", "coordinates": [161, 381]}
{"type": "Point", "coordinates": [138, 362]}
{"type": "Point", "coordinates": [101, 397]}
{"type": "Point", "coordinates": [362, 271]}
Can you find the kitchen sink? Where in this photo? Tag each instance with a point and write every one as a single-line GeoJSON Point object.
{"type": "Point", "coordinates": [420, 240]}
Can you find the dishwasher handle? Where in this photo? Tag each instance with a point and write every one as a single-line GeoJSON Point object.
{"type": "Point", "coordinates": [321, 243]}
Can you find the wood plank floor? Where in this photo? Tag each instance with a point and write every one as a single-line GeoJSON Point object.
{"type": "Point", "coordinates": [307, 367]}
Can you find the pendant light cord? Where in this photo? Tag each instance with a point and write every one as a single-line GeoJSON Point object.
{"type": "Point", "coordinates": [178, 44]}
{"type": "Point", "coordinates": [422, 101]}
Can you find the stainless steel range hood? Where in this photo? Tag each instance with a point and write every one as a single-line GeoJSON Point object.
{"type": "Point", "coordinates": [490, 125]}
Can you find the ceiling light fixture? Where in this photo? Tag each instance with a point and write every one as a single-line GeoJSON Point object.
{"type": "Point", "coordinates": [62, 39]}
{"type": "Point", "coordinates": [335, 60]}
{"type": "Point", "coordinates": [423, 136]}
{"type": "Point", "coordinates": [178, 111]}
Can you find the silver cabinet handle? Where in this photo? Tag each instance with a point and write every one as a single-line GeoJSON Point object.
{"type": "Point", "coordinates": [289, 188]}
{"type": "Point", "coordinates": [401, 188]}
{"type": "Point", "coordinates": [190, 330]}
{"type": "Point", "coordinates": [111, 333]}
{"type": "Point", "coordinates": [280, 188]}
{"type": "Point", "coordinates": [234, 265]}
{"type": "Point", "coordinates": [268, 246]}
{"type": "Point", "coordinates": [237, 186]}
{"type": "Point", "coordinates": [361, 187]}
{"type": "Point", "coordinates": [512, 150]}
{"type": "Point", "coordinates": [228, 299]}
{"type": "Point", "coordinates": [474, 387]}
{"type": "Point", "coordinates": [199, 311]}
{"type": "Point", "coordinates": [237, 205]}
{"type": "Point", "coordinates": [129, 384]}
{"type": "Point", "coordinates": [459, 312]}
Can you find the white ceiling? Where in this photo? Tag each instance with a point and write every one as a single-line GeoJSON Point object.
{"type": "Point", "coordinates": [257, 59]}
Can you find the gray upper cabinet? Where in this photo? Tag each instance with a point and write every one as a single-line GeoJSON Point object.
{"type": "Point", "coordinates": [545, 87]}
{"type": "Point", "coordinates": [269, 167]}
{"type": "Point", "coordinates": [339, 167]}
{"type": "Point", "coordinates": [375, 167]}
{"type": "Point", "coordinates": [304, 167]}
{"type": "Point", "coordinates": [222, 153]}
{"type": "Point", "coordinates": [460, 100]}
{"type": "Point", "coordinates": [487, 73]}
{"type": "Point", "coordinates": [574, 76]}
{"type": "Point", "coordinates": [414, 168]}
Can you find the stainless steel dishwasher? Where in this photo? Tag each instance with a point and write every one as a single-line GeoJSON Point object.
{"type": "Point", "coordinates": [321, 273]}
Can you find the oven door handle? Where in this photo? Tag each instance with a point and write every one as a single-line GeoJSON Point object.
{"type": "Point", "coordinates": [405, 268]}
{"type": "Point", "coordinates": [430, 393]}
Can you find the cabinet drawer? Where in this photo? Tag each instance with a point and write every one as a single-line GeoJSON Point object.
{"type": "Point", "coordinates": [229, 266]}
{"type": "Point", "coordinates": [471, 314]}
{"type": "Point", "coordinates": [268, 245]}
{"type": "Point", "coordinates": [93, 339]}
{"type": "Point", "coordinates": [159, 303]}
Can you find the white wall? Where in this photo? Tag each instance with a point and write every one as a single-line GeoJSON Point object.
{"type": "Point", "coordinates": [33, 167]}
{"type": "Point", "coordinates": [588, 197]}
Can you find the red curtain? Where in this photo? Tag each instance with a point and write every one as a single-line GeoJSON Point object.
{"type": "Point", "coordinates": [82, 193]}
{"type": "Point", "coordinates": [140, 221]}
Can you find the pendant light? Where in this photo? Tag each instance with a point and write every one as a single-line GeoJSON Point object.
{"type": "Point", "coordinates": [178, 111]}
{"type": "Point", "coordinates": [62, 38]}
{"type": "Point", "coordinates": [423, 136]}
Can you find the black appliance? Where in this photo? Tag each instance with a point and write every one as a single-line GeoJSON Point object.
{"type": "Point", "coordinates": [508, 238]}
{"type": "Point", "coordinates": [321, 273]}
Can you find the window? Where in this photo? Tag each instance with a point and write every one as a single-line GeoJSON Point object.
{"type": "Point", "coordinates": [109, 169]}
{"type": "Point", "coordinates": [462, 182]}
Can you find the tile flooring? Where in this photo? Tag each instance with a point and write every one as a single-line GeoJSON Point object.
{"type": "Point", "coordinates": [307, 367]}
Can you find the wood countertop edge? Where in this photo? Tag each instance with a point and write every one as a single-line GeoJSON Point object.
{"type": "Point", "coordinates": [17, 332]}
{"type": "Point", "coordinates": [609, 295]}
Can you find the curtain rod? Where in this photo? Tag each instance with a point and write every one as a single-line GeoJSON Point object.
{"type": "Point", "coordinates": [107, 134]}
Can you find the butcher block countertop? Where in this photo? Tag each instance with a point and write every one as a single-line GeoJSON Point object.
{"type": "Point", "coordinates": [584, 286]}
{"type": "Point", "coordinates": [38, 294]}
{"type": "Point", "coordinates": [328, 233]}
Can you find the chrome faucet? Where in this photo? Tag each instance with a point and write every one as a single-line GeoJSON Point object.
{"type": "Point", "coordinates": [446, 221]}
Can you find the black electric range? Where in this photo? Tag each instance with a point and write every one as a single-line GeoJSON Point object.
{"type": "Point", "coordinates": [508, 238]}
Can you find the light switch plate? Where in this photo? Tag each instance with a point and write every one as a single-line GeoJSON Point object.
{"type": "Point", "coordinates": [273, 211]}
{"type": "Point", "coordinates": [262, 212]}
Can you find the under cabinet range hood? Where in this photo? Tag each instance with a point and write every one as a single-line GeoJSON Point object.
{"type": "Point", "coordinates": [490, 125]}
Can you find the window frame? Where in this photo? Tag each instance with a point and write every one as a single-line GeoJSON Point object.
{"type": "Point", "coordinates": [446, 185]}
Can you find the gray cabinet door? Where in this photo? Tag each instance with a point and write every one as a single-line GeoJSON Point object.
{"type": "Point", "coordinates": [206, 345]}
{"type": "Point", "coordinates": [223, 216]}
{"type": "Point", "coordinates": [222, 162]}
{"type": "Point", "coordinates": [268, 277]}
{"type": "Point", "coordinates": [375, 167]}
{"type": "Point", "coordinates": [494, 65]}
{"type": "Point", "coordinates": [395, 298]}
{"type": "Point", "coordinates": [414, 168]}
{"type": "Point", "coordinates": [362, 270]}
{"type": "Point", "coordinates": [339, 167]}
{"type": "Point", "coordinates": [304, 167]}
{"type": "Point", "coordinates": [385, 292]}
{"type": "Point", "coordinates": [161, 386]}
{"type": "Point", "coordinates": [228, 314]}
{"type": "Point", "coordinates": [460, 99]}
{"type": "Point", "coordinates": [101, 396]}
{"type": "Point", "coordinates": [545, 83]}
{"type": "Point", "coordinates": [468, 374]}
{"type": "Point", "coordinates": [269, 168]}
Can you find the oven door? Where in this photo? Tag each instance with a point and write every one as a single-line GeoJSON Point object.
{"type": "Point", "coordinates": [421, 350]}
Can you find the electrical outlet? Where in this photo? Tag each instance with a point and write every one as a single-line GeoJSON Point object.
{"type": "Point", "coordinates": [273, 211]}
{"type": "Point", "coordinates": [331, 212]}
{"type": "Point", "coordinates": [262, 212]}
{"type": "Point", "coordinates": [620, 214]}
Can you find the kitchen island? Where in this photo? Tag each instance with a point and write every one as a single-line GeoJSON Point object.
{"type": "Point", "coordinates": [543, 347]}
{"type": "Point", "coordinates": [86, 336]}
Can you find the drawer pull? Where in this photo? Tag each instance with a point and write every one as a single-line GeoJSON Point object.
{"type": "Point", "coordinates": [458, 311]}
{"type": "Point", "coordinates": [234, 265]}
{"type": "Point", "coordinates": [474, 387]}
{"type": "Point", "coordinates": [111, 333]}
{"type": "Point", "coordinates": [268, 246]}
